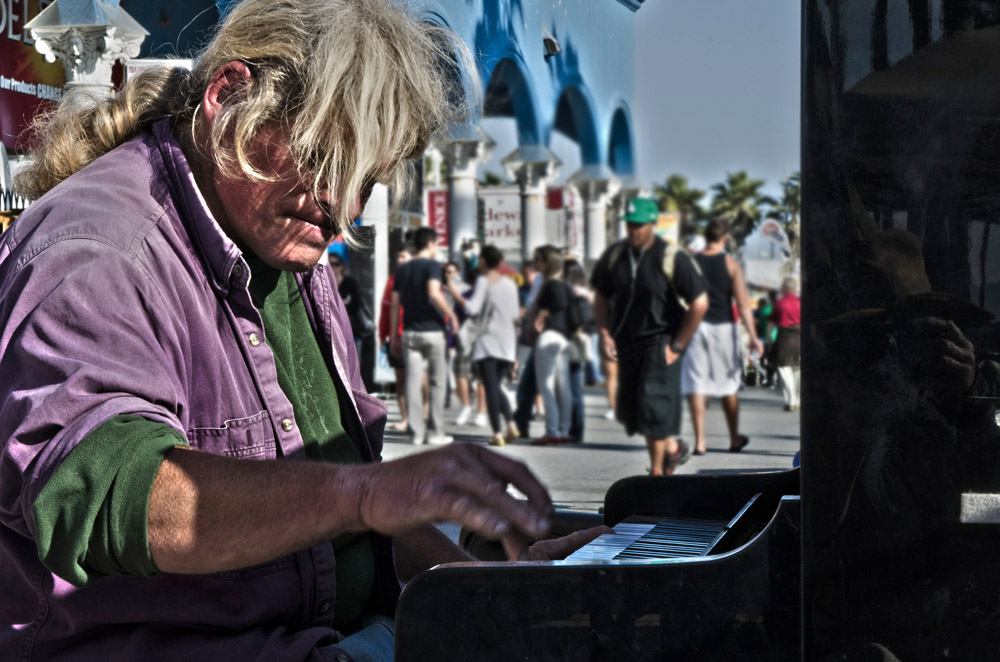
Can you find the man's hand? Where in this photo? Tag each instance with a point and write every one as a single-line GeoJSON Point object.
{"type": "Point", "coordinates": [559, 548]}
{"type": "Point", "coordinates": [464, 483]}
{"type": "Point", "coordinates": [608, 350]}
{"type": "Point", "coordinates": [757, 346]}
{"type": "Point", "coordinates": [938, 355]}
{"type": "Point", "coordinates": [671, 355]}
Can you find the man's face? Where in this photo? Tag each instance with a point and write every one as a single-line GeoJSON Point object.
{"type": "Point", "coordinates": [638, 233]}
{"type": "Point", "coordinates": [279, 221]}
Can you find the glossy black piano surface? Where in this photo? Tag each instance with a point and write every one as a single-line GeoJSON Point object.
{"type": "Point", "coordinates": [900, 482]}
{"type": "Point", "coordinates": [901, 261]}
{"type": "Point", "coordinates": [739, 604]}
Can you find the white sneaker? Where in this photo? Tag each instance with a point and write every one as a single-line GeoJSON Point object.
{"type": "Point", "coordinates": [609, 415]}
{"type": "Point", "coordinates": [463, 416]}
{"type": "Point", "coordinates": [482, 420]}
{"type": "Point", "coordinates": [440, 441]}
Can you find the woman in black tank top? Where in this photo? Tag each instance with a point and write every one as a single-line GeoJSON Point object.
{"type": "Point", "coordinates": [720, 288]}
{"type": "Point", "coordinates": [713, 360]}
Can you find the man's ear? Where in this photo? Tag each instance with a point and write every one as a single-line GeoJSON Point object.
{"type": "Point", "coordinates": [230, 79]}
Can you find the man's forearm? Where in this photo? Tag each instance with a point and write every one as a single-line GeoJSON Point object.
{"type": "Point", "coordinates": [691, 320]}
{"type": "Point", "coordinates": [601, 313]}
{"type": "Point", "coordinates": [442, 304]}
{"type": "Point", "coordinates": [211, 514]}
{"type": "Point", "coordinates": [394, 318]}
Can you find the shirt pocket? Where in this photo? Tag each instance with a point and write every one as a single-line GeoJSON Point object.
{"type": "Point", "coordinates": [246, 438]}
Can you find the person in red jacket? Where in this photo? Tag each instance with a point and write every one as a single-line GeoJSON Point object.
{"type": "Point", "coordinates": [787, 317]}
{"type": "Point", "coordinates": [384, 334]}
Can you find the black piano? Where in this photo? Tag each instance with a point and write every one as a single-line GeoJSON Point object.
{"type": "Point", "coordinates": [885, 547]}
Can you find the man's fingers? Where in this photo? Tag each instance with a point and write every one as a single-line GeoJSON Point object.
{"type": "Point", "coordinates": [560, 548]}
{"type": "Point", "coordinates": [517, 474]}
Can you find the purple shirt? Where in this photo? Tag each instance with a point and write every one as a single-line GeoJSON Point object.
{"type": "Point", "coordinates": [120, 294]}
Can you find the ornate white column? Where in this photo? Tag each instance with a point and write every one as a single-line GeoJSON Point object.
{"type": "Point", "coordinates": [88, 36]}
{"type": "Point", "coordinates": [595, 184]}
{"type": "Point", "coordinates": [463, 148]}
{"type": "Point", "coordinates": [631, 187]}
{"type": "Point", "coordinates": [532, 167]}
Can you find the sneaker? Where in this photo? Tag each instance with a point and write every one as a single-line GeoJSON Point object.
{"type": "Point", "coordinates": [463, 416]}
{"type": "Point", "coordinates": [440, 440]}
{"type": "Point", "coordinates": [609, 415]}
{"type": "Point", "coordinates": [399, 426]}
{"type": "Point", "coordinates": [497, 440]}
{"type": "Point", "coordinates": [481, 420]}
{"type": "Point", "coordinates": [545, 441]}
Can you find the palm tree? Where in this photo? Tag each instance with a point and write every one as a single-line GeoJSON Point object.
{"type": "Point", "coordinates": [678, 197]}
{"type": "Point", "coordinates": [737, 201]}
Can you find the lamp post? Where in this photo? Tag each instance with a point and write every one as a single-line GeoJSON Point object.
{"type": "Point", "coordinates": [463, 147]}
{"type": "Point", "coordinates": [596, 184]}
{"type": "Point", "coordinates": [88, 36]}
{"type": "Point", "coordinates": [532, 167]}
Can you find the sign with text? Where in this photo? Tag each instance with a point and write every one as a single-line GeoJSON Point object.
{"type": "Point", "coordinates": [437, 216]}
{"type": "Point", "coordinates": [501, 220]}
{"type": "Point", "coordinates": [27, 82]}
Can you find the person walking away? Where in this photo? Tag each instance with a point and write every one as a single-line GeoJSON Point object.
{"type": "Point", "coordinates": [395, 362]}
{"type": "Point", "coordinates": [495, 308]}
{"type": "Point", "coordinates": [658, 297]}
{"type": "Point", "coordinates": [552, 351]}
{"type": "Point", "coordinates": [581, 302]}
{"type": "Point", "coordinates": [460, 357]}
{"type": "Point", "coordinates": [713, 363]}
{"type": "Point", "coordinates": [527, 386]}
{"type": "Point", "coordinates": [787, 317]}
{"type": "Point", "coordinates": [765, 305]}
{"type": "Point", "coordinates": [358, 312]}
{"type": "Point", "coordinates": [428, 316]}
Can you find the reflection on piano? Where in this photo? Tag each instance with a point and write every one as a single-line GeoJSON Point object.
{"type": "Point", "coordinates": [709, 571]}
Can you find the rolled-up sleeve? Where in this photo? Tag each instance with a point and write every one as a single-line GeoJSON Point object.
{"type": "Point", "coordinates": [86, 336]}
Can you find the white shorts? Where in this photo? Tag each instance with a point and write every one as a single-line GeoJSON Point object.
{"type": "Point", "coordinates": [713, 362]}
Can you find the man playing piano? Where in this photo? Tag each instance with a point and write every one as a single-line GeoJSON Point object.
{"type": "Point", "coordinates": [189, 464]}
{"type": "Point", "coordinates": [658, 297]}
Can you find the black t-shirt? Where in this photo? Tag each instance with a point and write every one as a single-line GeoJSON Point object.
{"type": "Point", "coordinates": [411, 283]}
{"type": "Point", "coordinates": [648, 310]}
{"type": "Point", "coordinates": [554, 297]}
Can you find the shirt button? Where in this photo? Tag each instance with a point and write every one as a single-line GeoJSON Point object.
{"type": "Point", "coordinates": [254, 339]}
{"type": "Point", "coordinates": [287, 425]}
{"type": "Point", "coordinates": [324, 606]}
{"type": "Point", "coordinates": [237, 270]}
{"type": "Point", "coordinates": [342, 658]}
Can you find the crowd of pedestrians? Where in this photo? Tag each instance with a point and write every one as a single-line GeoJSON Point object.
{"type": "Point", "coordinates": [661, 326]}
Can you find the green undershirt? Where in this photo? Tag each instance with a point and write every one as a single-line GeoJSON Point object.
{"type": "Point", "coordinates": [91, 516]}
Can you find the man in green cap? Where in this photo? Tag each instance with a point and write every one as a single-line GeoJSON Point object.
{"type": "Point", "coordinates": [650, 298]}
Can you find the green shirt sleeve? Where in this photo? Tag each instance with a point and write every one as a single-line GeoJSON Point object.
{"type": "Point", "coordinates": [91, 516]}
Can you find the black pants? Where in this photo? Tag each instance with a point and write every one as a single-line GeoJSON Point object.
{"type": "Point", "coordinates": [491, 371]}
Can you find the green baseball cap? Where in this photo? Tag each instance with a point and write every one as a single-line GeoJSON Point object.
{"type": "Point", "coordinates": [641, 210]}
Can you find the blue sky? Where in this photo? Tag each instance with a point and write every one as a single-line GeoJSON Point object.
{"type": "Point", "coordinates": [717, 89]}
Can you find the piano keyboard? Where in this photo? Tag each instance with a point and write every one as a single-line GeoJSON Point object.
{"type": "Point", "coordinates": [668, 538]}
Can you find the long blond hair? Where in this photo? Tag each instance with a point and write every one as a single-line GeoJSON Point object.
{"type": "Point", "coordinates": [360, 86]}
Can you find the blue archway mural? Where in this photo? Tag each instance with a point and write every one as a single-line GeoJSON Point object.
{"type": "Point", "coordinates": [509, 94]}
{"type": "Point", "coordinates": [575, 118]}
{"type": "Point", "coordinates": [621, 152]}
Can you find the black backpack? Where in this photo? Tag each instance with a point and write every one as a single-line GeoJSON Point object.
{"type": "Point", "coordinates": [579, 314]}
